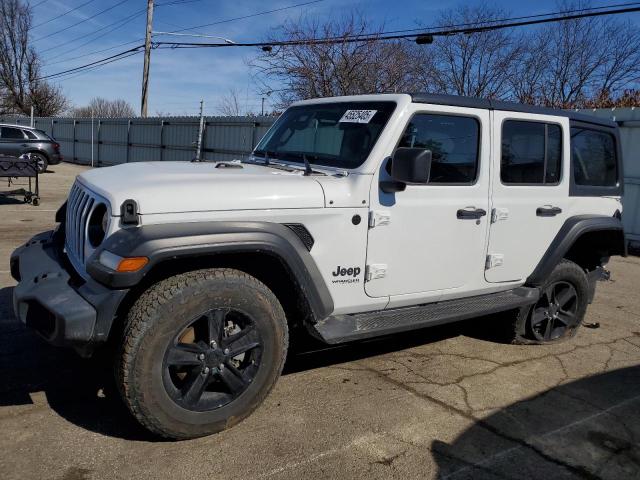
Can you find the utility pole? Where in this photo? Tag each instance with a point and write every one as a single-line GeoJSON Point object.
{"type": "Point", "coordinates": [147, 59]}
{"type": "Point", "coordinates": [31, 116]}
{"type": "Point", "coordinates": [200, 132]}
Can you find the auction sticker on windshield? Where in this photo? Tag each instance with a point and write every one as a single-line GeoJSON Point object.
{"type": "Point", "coordinates": [358, 116]}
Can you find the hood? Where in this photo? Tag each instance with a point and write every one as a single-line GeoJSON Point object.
{"type": "Point", "coordinates": [171, 187]}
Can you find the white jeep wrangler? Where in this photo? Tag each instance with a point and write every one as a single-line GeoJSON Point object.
{"type": "Point", "coordinates": [354, 217]}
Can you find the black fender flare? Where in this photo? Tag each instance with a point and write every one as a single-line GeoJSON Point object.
{"type": "Point", "coordinates": [572, 229]}
{"type": "Point", "coordinates": [163, 242]}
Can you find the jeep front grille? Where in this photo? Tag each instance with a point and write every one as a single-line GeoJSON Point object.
{"type": "Point", "coordinates": [79, 205]}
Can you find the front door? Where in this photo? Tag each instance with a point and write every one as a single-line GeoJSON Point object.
{"type": "Point", "coordinates": [430, 240]}
{"type": "Point", "coordinates": [530, 191]}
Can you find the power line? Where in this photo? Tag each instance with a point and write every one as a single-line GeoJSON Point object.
{"type": "Point", "coordinates": [62, 14]}
{"type": "Point", "coordinates": [176, 2]}
{"type": "Point", "coordinates": [82, 21]}
{"type": "Point", "coordinates": [266, 12]}
{"type": "Point", "coordinates": [116, 25]}
{"type": "Point", "coordinates": [68, 59]}
{"type": "Point", "coordinates": [39, 3]}
{"type": "Point", "coordinates": [525, 17]}
{"type": "Point", "coordinates": [124, 21]}
{"type": "Point", "coordinates": [80, 37]}
{"type": "Point", "coordinates": [69, 76]}
{"type": "Point", "coordinates": [106, 60]}
{"type": "Point", "coordinates": [384, 36]}
{"type": "Point", "coordinates": [348, 39]}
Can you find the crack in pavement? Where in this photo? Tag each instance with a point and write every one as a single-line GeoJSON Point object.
{"type": "Point", "coordinates": [578, 470]}
{"type": "Point", "coordinates": [467, 413]}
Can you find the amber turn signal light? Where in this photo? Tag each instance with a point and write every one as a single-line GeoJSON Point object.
{"type": "Point", "coordinates": [132, 264]}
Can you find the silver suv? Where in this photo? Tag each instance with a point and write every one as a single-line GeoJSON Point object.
{"type": "Point", "coordinates": [16, 140]}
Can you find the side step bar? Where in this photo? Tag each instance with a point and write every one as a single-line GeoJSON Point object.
{"type": "Point", "coordinates": [345, 328]}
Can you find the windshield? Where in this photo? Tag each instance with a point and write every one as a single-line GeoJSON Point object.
{"type": "Point", "coordinates": [337, 135]}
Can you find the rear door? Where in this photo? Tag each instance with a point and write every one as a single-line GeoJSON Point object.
{"type": "Point", "coordinates": [529, 193]}
{"type": "Point", "coordinates": [12, 141]}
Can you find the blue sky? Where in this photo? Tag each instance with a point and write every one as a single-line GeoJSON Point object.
{"type": "Point", "coordinates": [180, 78]}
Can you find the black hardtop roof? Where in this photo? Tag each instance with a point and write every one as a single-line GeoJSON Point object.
{"type": "Point", "coordinates": [489, 104]}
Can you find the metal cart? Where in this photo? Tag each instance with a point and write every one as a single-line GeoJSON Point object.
{"type": "Point", "coordinates": [21, 167]}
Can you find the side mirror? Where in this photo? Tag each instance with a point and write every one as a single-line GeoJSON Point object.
{"type": "Point", "coordinates": [408, 166]}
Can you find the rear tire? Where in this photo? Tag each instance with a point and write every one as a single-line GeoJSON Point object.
{"type": "Point", "coordinates": [201, 351]}
{"type": "Point", "coordinates": [559, 312]}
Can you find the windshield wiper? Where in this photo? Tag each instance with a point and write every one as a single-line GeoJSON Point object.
{"type": "Point", "coordinates": [298, 156]}
{"type": "Point", "coordinates": [266, 154]}
{"type": "Point", "coordinates": [307, 166]}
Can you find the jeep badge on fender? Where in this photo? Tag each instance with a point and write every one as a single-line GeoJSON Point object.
{"type": "Point", "coordinates": [342, 271]}
{"type": "Point", "coordinates": [475, 207]}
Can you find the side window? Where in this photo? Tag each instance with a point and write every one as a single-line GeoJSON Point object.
{"type": "Point", "coordinates": [11, 133]}
{"type": "Point", "coordinates": [453, 141]}
{"type": "Point", "coordinates": [531, 153]}
{"type": "Point", "coordinates": [30, 135]}
{"type": "Point", "coordinates": [593, 154]}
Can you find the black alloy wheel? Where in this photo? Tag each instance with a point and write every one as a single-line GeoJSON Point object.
{"type": "Point", "coordinates": [556, 312]}
{"type": "Point", "coordinates": [200, 352]}
{"type": "Point", "coordinates": [213, 360]}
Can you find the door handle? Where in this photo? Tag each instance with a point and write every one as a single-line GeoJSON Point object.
{"type": "Point", "coordinates": [25, 145]}
{"type": "Point", "coordinates": [471, 213]}
{"type": "Point", "coordinates": [548, 211]}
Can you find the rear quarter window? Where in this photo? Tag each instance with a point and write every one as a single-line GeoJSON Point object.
{"type": "Point", "coordinates": [594, 158]}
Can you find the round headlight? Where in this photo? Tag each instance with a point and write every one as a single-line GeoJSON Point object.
{"type": "Point", "coordinates": [97, 227]}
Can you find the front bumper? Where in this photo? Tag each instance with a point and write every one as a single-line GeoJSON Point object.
{"type": "Point", "coordinates": [53, 299]}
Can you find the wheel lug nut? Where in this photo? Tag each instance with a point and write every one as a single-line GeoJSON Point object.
{"type": "Point", "coordinates": [221, 366]}
{"type": "Point", "coordinates": [206, 370]}
{"type": "Point", "coordinates": [226, 351]}
{"type": "Point", "coordinates": [213, 344]}
{"type": "Point", "coordinates": [201, 356]}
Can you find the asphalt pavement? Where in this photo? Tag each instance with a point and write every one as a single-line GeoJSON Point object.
{"type": "Point", "coordinates": [448, 402]}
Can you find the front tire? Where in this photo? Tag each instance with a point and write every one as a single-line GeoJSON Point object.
{"type": "Point", "coordinates": [559, 311]}
{"type": "Point", "coordinates": [201, 351]}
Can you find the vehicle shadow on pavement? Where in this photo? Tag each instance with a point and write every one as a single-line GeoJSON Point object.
{"type": "Point", "coordinates": [80, 390]}
{"type": "Point", "coordinates": [585, 429]}
{"type": "Point", "coordinates": [83, 391]}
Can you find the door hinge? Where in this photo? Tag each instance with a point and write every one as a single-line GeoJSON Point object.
{"type": "Point", "coordinates": [498, 214]}
{"type": "Point", "coordinates": [373, 271]}
{"type": "Point", "coordinates": [494, 260]}
{"type": "Point", "coordinates": [377, 219]}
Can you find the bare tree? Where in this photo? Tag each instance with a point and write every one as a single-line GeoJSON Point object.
{"type": "Point", "coordinates": [229, 105]}
{"type": "Point", "coordinates": [563, 64]}
{"type": "Point", "coordinates": [309, 70]}
{"type": "Point", "coordinates": [21, 85]}
{"type": "Point", "coordinates": [570, 63]}
{"type": "Point", "coordinates": [476, 64]}
{"type": "Point", "coordinates": [104, 108]}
